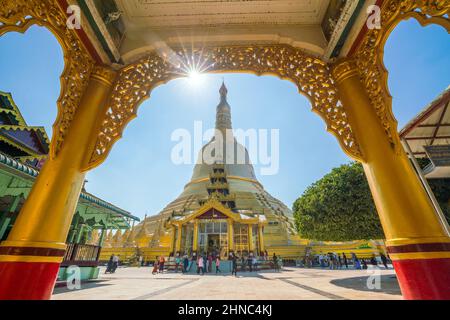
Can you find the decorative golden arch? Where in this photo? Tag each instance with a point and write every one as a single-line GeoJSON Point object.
{"type": "Point", "coordinates": [407, 214]}
{"type": "Point", "coordinates": [19, 15]}
{"type": "Point", "coordinates": [369, 56]}
{"type": "Point", "coordinates": [311, 75]}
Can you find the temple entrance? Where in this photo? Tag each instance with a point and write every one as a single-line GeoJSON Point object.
{"type": "Point", "coordinates": [213, 238]}
{"type": "Point", "coordinates": [217, 230]}
{"type": "Point", "coordinates": [214, 243]}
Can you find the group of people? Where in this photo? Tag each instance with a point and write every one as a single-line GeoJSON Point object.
{"type": "Point", "coordinates": [113, 263]}
{"type": "Point", "coordinates": [335, 261]}
{"type": "Point", "coordinates": [250, 261]}
{"type": "Point", "coordinates": [363, 262]}
{"type": "Point", "coordinates": [205, 263]}
{"type": "Point", "coordinates": [210, 262]}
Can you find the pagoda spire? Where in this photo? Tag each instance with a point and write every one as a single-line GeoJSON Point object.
{"type": "Point", "coordinates": [223, 110]}
{"type": "Point", "coordinates": [223, 91]}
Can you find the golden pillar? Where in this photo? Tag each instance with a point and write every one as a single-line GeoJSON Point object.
{"type": "Point", "coordinates": [102, 237]}
{"type": "Point", "coordinates": [250, 238]}
{"type": "Point", "coordinates": [178, 242]}
{"type": "Point", "coordinates": [416, 239]}
{"type": "Point", "coordinates": [261, 238]}
{"type": "Point", "coordinates": [230, 235]}
{"type": "Point", "coordinates": [36, 245]}
{"type": "Point", "coordinates": [172, 240]}
{"type": "Point", "coordinates": [195, 236]}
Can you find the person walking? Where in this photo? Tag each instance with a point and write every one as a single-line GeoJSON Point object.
{"type": "Point", "coordinates": [109, 266]}
{"type": "Point", "coordinates": [384, 260]}
{"type": "Point", "coordinates": [218, 265]}
{"type": "Point", "coordinates": [344, 257]}
{"type": "Point", "coordinates": [193, 261]}
{"type": "Point", "coordinates": [115, 263]}
{"type": "Point", "coordinates": [321, 260]}
{"type": "Point", "coordinates": [255, 263]}
{"type": "Point", "coordinates": [185, 263]}
{"type": "Point", "coordinates": [200, 265]}
{"type": "Point", "coordinates": [234, 265]}
{"type": "Point", "coordinates": [356, 262]}
{"type": "Point", "coordinates": [250, 262]}
{"type": "Point", "coordinates": [373, 261]}
{"type": "Point", "coordinates": [279, 263]}
{"type": "Point", "coordinates": [161, 264]}
{"type": "Point", "coordinates": [331, 261]}
{"type": "Point", "coordinates": [364, 264]}
{"type": "Point", "coordinates": [155, 266]}
{"type": "Point", "coordinates": [210, 261]}
{"type": "Point", "coordinates": [339, 261]}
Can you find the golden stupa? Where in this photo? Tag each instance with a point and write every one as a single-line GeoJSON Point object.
{"type": "Point", "coordinates": [223, 208]}
{"type": "Point", "coordinates": [238, 214]}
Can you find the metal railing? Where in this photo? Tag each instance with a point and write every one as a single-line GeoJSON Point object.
{"type": "Point", "coordinates": [83, 255]}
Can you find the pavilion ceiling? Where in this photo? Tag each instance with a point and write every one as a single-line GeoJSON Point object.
{"type": "Point", "coordinates": [128, 29]}
{"type": "Point", "coordinates": [176, 13]}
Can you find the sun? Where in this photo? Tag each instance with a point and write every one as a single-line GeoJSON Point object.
{"type": "Point", "coordinates": [195, 77]}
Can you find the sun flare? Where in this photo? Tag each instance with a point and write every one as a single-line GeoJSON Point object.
{"type": "Point", "coordinates": [195, 77]}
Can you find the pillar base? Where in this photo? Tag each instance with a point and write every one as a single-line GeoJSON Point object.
{"type": "Point", "coordinates": [424, 279]}
{"type": "Point", "coordinates": [27, 280]}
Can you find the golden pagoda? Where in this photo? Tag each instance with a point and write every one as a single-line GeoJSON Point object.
{"type": "Point", "coordinates": [224, 208]}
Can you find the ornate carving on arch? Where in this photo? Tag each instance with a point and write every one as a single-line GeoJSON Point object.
{"type": "Point", "coordinates": [19, 15]}
{"type": "Point", "coordinates": [369, 56]}
{"type": "Point", "coordinates": [311, 75]}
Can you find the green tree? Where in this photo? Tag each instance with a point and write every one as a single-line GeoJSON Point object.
{"type": "Point", "coordinates": [338, 207]}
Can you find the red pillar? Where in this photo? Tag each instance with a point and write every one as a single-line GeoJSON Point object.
{"type": "Point", "coordinates": [422, 270]}
{"type": "Point", "coordinates": [28, 273]}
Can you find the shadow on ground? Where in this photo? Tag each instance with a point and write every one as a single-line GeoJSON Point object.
{"type": "Point", "coordinates": [84, 286]}
{"type": "Point", "coordinates": [388, 284]}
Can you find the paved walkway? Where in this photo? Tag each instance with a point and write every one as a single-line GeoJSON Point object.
{"type": "Point", "coordinates": [291, 283]}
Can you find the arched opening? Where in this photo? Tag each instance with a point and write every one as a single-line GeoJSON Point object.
{"type": "Point", "coordinates": [311, 75]}
{"type": "Point", "coordinates": [32, 75]}
{"type": "Point", "coordinates": [424, 64]}
{"type": "Point", "coordinates": [40, 88]}
{"type": "Point", "coordinates": [177, 105]}
{"type": "Point", "coordinates": [420, 104]}
{"type": "Point", "coordinates": [29, 90]}
{"type": "Point", "coordinates": [147, 181]}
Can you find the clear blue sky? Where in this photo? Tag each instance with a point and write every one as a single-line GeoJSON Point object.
{"type": "Point", "coordinates": [139, 175]}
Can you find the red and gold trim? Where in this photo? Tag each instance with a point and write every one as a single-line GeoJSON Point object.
{"type": "Point", "coordinates": [361, 34]}
{"type": "Point", "coordinates": [83, 36]}
{"type": "Point", "coordinates": [423, 269]}
{"type": "Point", "coordinates": [420, 251]}
{"type": "Point", "coordinates": [28, 273]}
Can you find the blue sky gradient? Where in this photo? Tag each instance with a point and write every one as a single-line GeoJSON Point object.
{"type": "Point", "coordinates": [139, 176]}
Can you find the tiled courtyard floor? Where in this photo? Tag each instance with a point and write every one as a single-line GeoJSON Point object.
{"type": "Point", "coordinates": [291, 283]}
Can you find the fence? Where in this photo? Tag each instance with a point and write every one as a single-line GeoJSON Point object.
{"type": "Point", "coordinates": [82, 255]}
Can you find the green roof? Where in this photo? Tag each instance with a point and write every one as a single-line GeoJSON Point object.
{"type": "Point", "coordinates": [33, 173]}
